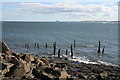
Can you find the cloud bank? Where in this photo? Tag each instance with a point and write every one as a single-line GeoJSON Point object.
{"type": "Point", "coordinates": [101, 11]}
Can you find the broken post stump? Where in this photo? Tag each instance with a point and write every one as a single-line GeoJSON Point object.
{"type": "Point", "coordinates": [59, 53]}
{"type": "Point", "coordinates": [103, 50]}
{"type": "Point", "coordinates": [38, 46]}
{"type": "Point", "coordinates": [25, 45]}
{"type": "Point", "coordinates": [46, 45]}
{"type": "Point", "coordinates": [99, 48]}
{"type": "Point", "coordinates": [35, 45]}
{"type": "Point", "coordinates": [54, 51]}
{"type": "Point", "coordinates": [71, 51]}
{"type": "Point", "coordinates": [28, 46]}
{"type": "Point", "coordinates": [66, 51]}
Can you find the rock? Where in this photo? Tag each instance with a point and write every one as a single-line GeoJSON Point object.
{"type": "Point", "coordinates": [82, 76]}
{"type": "Point", "coordinates": [4, 47]}
{"type": "Point", "coordinates": [48, 69]}
{"type": "Point", "coordinates": [11, 71]}
{"type": "Point", "coordinates": [15, 55]}
{"type": "Point", "coordinates": [21, 71]}
{"type": "Point", "coordinates": [6, 58]}
{"type": "Point", "coordinates": [14, 60]}
{"type": "Point", "coordinates": [40, 75]}
{"type": "Point", "coordinates": [29, 74]}
{"type": "Point", "coordinates": [103, 75]}
{"type": "Point", "coordinates": [3, 66]}
{"type": "Point", "coordinates": [45, 61]}
{"type": "Point", "coordinates": [56, 73]}
{"type": "Point", "coordinates": [27, 58]}
{"type": "Point", "coordinates": [64, 75]}
{"type": "Point", "coordinates": [4, 72]}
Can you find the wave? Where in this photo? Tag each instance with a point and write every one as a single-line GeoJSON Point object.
{"type": "Point", "coordinates": [87, 61]}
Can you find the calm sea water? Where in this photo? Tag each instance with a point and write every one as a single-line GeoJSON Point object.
{"type": "Point", "coordinates": [16, 34]}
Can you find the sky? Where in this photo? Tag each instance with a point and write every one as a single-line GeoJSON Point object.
{"type": "Point", "coordinates": [60, 10]}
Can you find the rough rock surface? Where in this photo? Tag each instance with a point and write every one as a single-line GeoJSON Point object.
{"type": "Point", "coordinates": [18, 66]}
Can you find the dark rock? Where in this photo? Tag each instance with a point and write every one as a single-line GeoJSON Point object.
{"type": "Point", "coordinates": [82, 76]}
{"type": "Point", "coordinates": [16, 55]}
{"type": "Point", "coordinates": [14, 60]}
{"type": "Point", "coordinates": [4, 47]}
{"type": "Point", "coordinates": [40, 75]}
{"type": "Point", "coordinates": [56, 73]}
{"type": "Point", "coordinates": [12, 69]}
{"type": "Point", "coordinates": [102, 76]}
{"type": "Point", "coordinates": [48, 69]}
{"type": "Point", "coordinates": [3, 66]}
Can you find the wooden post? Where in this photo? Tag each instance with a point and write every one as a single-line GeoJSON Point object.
{"type": "Point", "coordinates": [46, 46]}
{"type": "Point", "coordinates": [66, 51]}
{"type": "Point", "coordinates": [99, 48]}
{"type": "Point", "coordinates": [71, 51]}
{"type": "Point", "coordinates": [25, 45]}
{"type": "Point", "coordinates": [54, 45]}
{"type": "Point", "coordinates": [74, 46]}
{"type": "Point", "coordinates": [74, 43]}
{"type": "Point", "coordinates": [37, 45]}
{"type": "Point", "coordinates": [59, 53]}
{"type": "Point", "coordinates": [28, 46]}
{"type": "Point", "coordinates": [103, 50]}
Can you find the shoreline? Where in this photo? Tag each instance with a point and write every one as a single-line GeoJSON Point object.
{"type": "Point", "coordinates": [28, 67]}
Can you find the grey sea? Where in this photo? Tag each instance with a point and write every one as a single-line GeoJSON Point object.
{"type": "Point", "coordinates": [86, 34]}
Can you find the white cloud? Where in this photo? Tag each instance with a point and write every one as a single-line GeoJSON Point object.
{"type": "Point", "coordinates": [73, 9]}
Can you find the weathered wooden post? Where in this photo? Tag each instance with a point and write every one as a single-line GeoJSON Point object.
{"type": "Point", "coordinates": [99, 48]}
{"type": "Point", "coordinates": [103, 50]}
{"type": "Point", "coordinates": [74, 46]}
{"type": "Point", "coordinates": [46, 45]}
{"type": "Point", "coordinates": [66, 51]}
{"type": "Point", "coordinates": [54, 45]}
{"type": "Point", "coordinates": [71, 51]}
{"type": "Point", "coordinates": [25, 45]}
{"type": "Point", "coordinates": [38, 46]}
{"type": "Point", "coordinates": [35, 45]}
{"type": "Point", "coordinates": [59, 53]}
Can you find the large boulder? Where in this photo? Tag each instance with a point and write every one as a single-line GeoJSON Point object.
{"type": "Point", "coordinates": [4, 47]}
{"type": "Point", "coordinates": [22, 70]}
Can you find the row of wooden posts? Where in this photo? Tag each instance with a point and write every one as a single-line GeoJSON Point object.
{"type": "Point", "coordinates": [71, 48]}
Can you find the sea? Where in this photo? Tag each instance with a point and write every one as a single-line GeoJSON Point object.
{"type": "Point", "coordinates": [86, 36]}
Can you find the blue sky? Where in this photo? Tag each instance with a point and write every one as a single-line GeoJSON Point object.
{"type": "Point", "coordinates": [61, 10]}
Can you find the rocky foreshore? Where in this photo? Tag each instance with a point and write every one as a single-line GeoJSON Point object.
{"type": "Point", "coordinates": [19, 66]}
